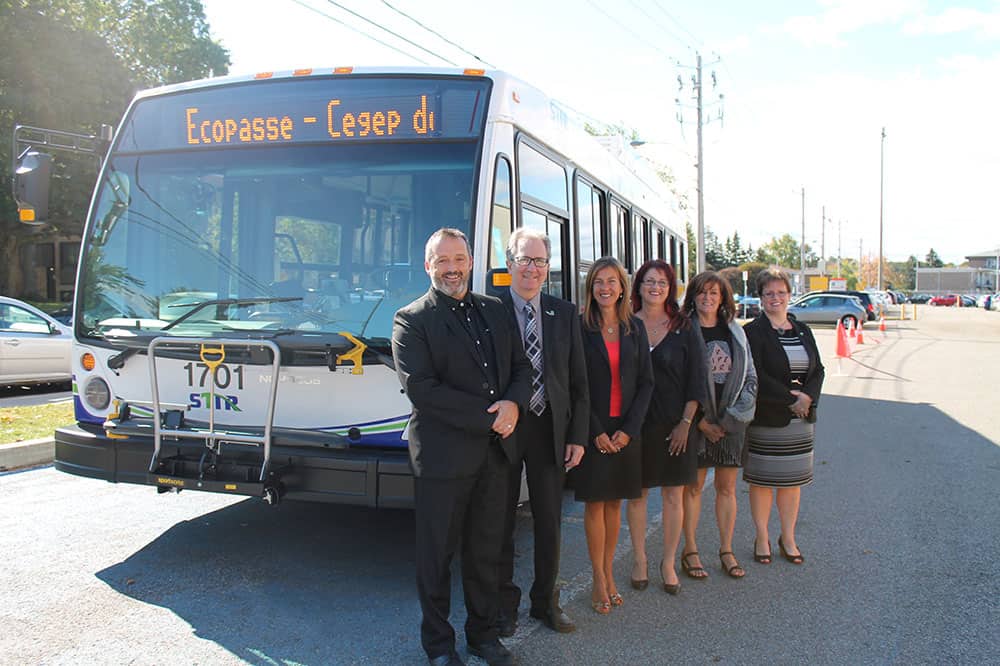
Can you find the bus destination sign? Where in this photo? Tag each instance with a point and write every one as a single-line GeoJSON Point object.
{"type": "Point", "coordinates": [297, 111]}
{"type": "Point", "coordinates": [341, 118]}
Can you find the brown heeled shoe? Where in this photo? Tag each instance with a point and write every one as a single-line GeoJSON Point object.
{"type": "Point", "coordinates": [762, 559]}
{"type": "Point", "coordinates": [731, 571]}
{"type": "Point", "coordinates": [794, 559]}
{"type": "Point", "coordinates": [698, 573]}
{"type": "Point", "coordinates": [674, 589]}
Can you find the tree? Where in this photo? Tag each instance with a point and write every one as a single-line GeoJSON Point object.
{"type": "Point", "coordinates": [74, 64]}
{"type": "Point", "coordinates": [782, 251]}
{"type": "Point", "coordinates": [715, 255]}
{"type": "Point", "coordinates": [933, 260]}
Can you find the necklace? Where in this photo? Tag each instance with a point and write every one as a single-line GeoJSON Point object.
{"type": "Point", "coordinates": [662, 325]}
{"type": "Point", "coordinates": [610, 330]}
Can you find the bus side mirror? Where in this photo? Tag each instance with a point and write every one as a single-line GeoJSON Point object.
{"type": "Point", "coordinates": [31, 186]}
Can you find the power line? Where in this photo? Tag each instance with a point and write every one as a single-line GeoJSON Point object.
{"type": "Point", "coordinates": [629, 30]}
{"type": "Point", "coordinates": [652, 18]}
{"type": "Point", "coordinates": [659, 6]}
{"type": "Point", "coordinates": [360, 32]}
{"type": "Point", "coordinates": [436, 33]}
{"type": "Point", "coordinates": [395, 34]}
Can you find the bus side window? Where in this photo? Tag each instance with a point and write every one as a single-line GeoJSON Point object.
{"type": "Point", "coordinates": [500, 216]}
{"type": "Point", "coordinates": [617, 233]}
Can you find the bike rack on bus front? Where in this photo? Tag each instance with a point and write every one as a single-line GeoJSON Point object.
{"type": "Point", "coordinates": [212, 352]}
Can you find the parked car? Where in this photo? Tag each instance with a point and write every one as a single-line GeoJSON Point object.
{"type": "Point", "coordinates": [946, 299]}
{"type": "Point", "coordinates": [968, 301]}
{"type": "Point", "coordinates": [863, 296]}
{"type": "Point", "coordinates": [63, 315]}
{"type": "Point", "coordinates": [34, 347]}
{"type": "Point", "coordinates": [920, 298]}
{"type": "Point", "coordinates": [827, 308]}
{"type": "Point", "coordinates": [748, 307]}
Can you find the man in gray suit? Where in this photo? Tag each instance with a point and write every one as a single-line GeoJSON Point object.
{"type": "Point", "coordinates": [553, 430]}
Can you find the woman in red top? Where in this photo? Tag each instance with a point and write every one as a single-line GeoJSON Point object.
{"type": "Point", "coordinates": [621, 382]}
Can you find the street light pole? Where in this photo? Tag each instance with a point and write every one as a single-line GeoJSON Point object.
{"type": "Point", "coordinates": [802, 247]}
{"type": "Point", "coordinates": [822, 243]}
{"type": "Point", "coordinates": [839, 238]}
{"type": "Point", "coordinates": [881, 206]}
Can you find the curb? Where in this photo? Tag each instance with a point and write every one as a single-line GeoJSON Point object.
{"type": "Point", "coordinates": [27, 454]}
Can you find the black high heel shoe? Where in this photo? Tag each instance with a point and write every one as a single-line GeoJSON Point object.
{"type": "Point", "coordinates": [794, 559]}
{"type": "Point", "coordinates": [762, 559]}
{"type": "Point", "coordinates": [639, 583]}
{"type": "Point", "coordinates": [667, 587]}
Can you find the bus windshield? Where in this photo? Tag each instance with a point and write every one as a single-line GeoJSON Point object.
{"type": "Point", "coordinates": [322, 238]}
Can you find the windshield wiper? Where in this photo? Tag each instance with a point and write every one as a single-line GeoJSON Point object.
{"type": "Point", "coordinates": [117, 361]}
{"type": "Point", "coordinates": [199, 306]}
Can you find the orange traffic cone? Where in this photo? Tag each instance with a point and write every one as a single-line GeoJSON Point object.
{"type": "Point", "coordinates": [843, 347]}
{"type": "Point", "coordinates": [861, 332]}
{"type": "Point", "coordinates": [881, 325]}
{"type": "Point", "coordinates": [851, 332]}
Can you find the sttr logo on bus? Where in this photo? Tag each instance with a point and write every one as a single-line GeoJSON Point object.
{"type": "Point", "coordinates": [226, 403]}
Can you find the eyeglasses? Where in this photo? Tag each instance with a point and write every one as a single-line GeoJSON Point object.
{"type": "Point", "coordinates": [539, 262]}
{"type": "Point", "coordinates": [775, 294]}
{"type": "Point", "coordinates": [650, 284]}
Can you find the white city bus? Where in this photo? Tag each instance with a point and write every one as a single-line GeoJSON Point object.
{"type": "Point", "coordinates": [250, 239]}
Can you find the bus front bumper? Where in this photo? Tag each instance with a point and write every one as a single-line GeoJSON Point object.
{"type": "Point", "coordinates": [360, 477]}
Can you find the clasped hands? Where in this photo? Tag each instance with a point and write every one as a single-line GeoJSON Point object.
{"type": "Point", "coordinates": [613, 444]}
{"type": "Point", "coordinates": [713, 431]}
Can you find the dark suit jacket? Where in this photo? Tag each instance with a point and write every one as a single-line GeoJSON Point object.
{"type": "Point", "coordinates": [441, 374]}
{"type": "Point", "coordinates": [636, 371]}
{"type": "Point", "coordinates": [774, 377]}
{"type": "Point", "coordinates": [565, 371]}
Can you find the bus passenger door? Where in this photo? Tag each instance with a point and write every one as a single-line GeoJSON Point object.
{"type": "Point", "coordinates": [556, 228]}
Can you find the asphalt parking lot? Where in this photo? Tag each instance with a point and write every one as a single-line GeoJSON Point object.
{"type": "Point", "coordinates": [902, 552]}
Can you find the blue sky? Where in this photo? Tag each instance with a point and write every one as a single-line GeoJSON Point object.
{"type": "Point", "coordinates": [807, 88]}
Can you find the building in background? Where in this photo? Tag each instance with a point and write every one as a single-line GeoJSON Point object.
{"type": "Point", "coordinates": [979, 277]}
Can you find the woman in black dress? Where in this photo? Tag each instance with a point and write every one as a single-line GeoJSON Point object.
{"type": "Point", "coordinates": [779, 452]}
{"type": "Point", "coordinates": [621, 381]}
{"type": "Point", "coordinates": [667, 461]}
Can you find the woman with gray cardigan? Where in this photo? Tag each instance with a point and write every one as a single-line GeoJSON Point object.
{"type": "Point", "coordinates": [721, 424]}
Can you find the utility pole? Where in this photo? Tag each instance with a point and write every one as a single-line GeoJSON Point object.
{"type": "Point", "coordinates": [701, 176]}
{"type": "Point", "coordinates": [802, 247]}
{"type": "Point", "coordinates": [701, 121]}
{"type": "Point", "coordinates": [822, 244]}
{"type": "Point", "coordinates": [881, 206]}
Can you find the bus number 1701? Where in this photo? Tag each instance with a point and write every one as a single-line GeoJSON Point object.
{"type": "Point", "coordinates": [223, 375]}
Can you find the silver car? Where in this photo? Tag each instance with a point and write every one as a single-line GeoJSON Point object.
{"type": "Point", "coordinates": [34, 347]}
{"type": "Point", "coordinates": [828, 309]}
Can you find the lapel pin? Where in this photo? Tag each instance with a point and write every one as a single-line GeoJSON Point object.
{"type": "Point", "coordinates": [551, 313]}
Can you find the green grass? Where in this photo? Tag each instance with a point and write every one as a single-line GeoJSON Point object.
{"type": "Point", "coordinates": [18, 424]}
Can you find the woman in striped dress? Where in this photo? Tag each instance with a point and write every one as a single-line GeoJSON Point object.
{"type": "Point", "coordinates": [778, 458]}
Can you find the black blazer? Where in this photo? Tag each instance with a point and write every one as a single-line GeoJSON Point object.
{"type": "Point", "coordinates": [440, 372]}
{"type": "Point", "coordinates": [636, 372]}
{"type": "Point", "coordinates": [774, 377]}
{"type": "Point", "coordinates": [565, 371]}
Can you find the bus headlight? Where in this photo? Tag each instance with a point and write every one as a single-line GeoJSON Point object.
{"type": "Point", "coordinates": [97, 394]}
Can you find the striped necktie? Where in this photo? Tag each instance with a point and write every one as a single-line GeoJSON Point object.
{"type": "Point", "coordinates": [534, 350]}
